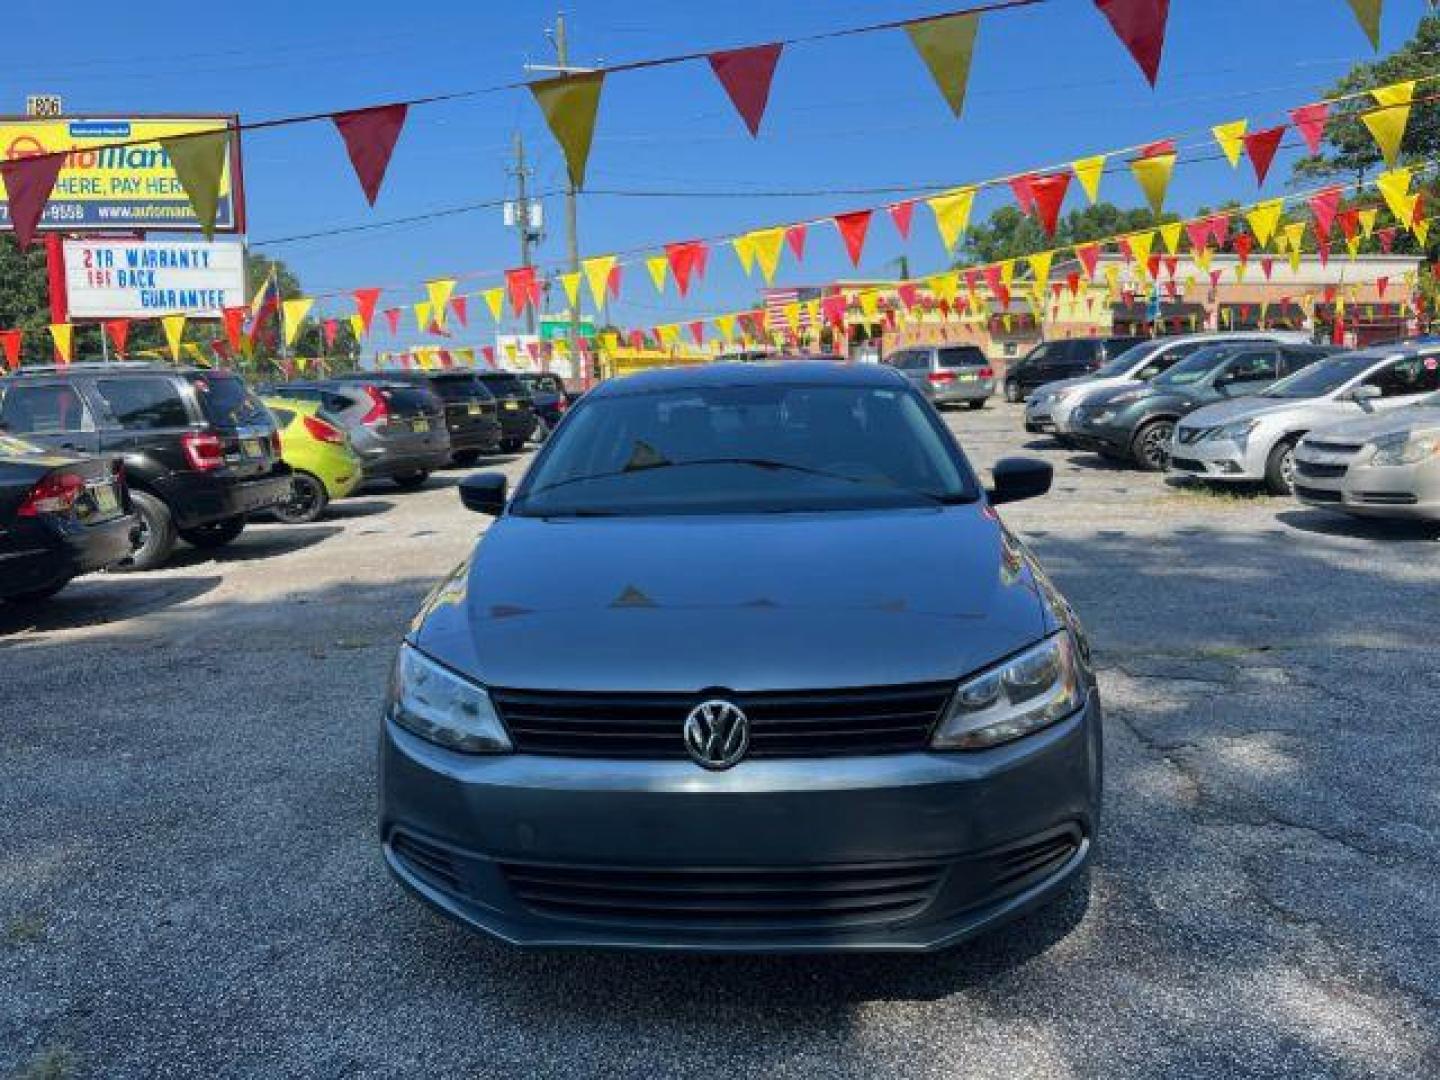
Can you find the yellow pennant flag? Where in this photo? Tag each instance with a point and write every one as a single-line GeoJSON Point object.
{"type": "Point", "coordinates": [659, 267]}
{"type": "Point", "coordinates": [63, 335]}
{"type": "Point", "coordinates": [1112, 281]}
{"type": "Point", "coordinates": [1170, 236]}
{"type": "Point", "coordinates": [569, 104]}
{"type": "Point", "coordinates": [668, 334]}
{"type": "Point", "coordinates": [1395, 187]}
{"type": "Point", "coordinates": [1007, 322]}
{"type": "Point", "coordinates": [952, 214]}
{"type": "Point", "coordinates": [1153, 175]}
{"type": "Point", "coordinates": [1141, 244]}
{"type": "Point", "coordinates": [869, 303]}
{"type": "Point", "coordinates": [357, 327]}
{"type": "Point", "coordinates": [726, 325]}
{"type": "Point", "coordinates": [1295, 234]}
{"type": "Point", "coordinates": [597, 276]}
{"type": "Point", "coordinates": [295, 312]}
{"type": "Point", "coordinates": [1367, 222]}
{"type": "Point", "coordinates": [422, 315]}
{"type": "Point", "coordinates": [571, 284]}
{"type": "Point", "coordinates": [174, 327]}
{"type": "Point", "coordinates": [1007, 271]}
{"type": "Point", "coordinates": [1387, 123]}
{"type": "Point", "coordinates": [766, 244]}
{"type": "Point", "coordinates": [467, 355]}
{"type": "Point", "coordinates": [1265, 218]}
{"type": "Point", "coordinates": [1231, 138]}
{"type": "Point", "coordinates": [495, 301]}
{"type": "Point", "coordinates": [1295, 259]}
{"type": "Point", "coordinates": [1088, 171]}
{"type": "Point", "coordinates": [1421, 228]}
{"type": "Point", "coordinates": [1202, 257]}
{"type": "Point", "coordinates": [792, 315]}
{"type": "Point", "coordinates": [1353, 244]}
{"type": "Point", "coordinates": [1040, 267]}
{"type": "Point", "coordinates": [945, 286]}
{"type": "Point", "coordinates": [439, 291]}
{"type": "Point", "coordinates": [745, 252]}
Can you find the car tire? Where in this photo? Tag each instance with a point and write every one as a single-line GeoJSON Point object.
{"type": "Point", "coordinates": [157, 533]}
{"type": "Point", "coordinates": [1012, 394]}
{"type": "Point", "coordinates": [1150, 449]}
{"type": "Point", "coordinates": [1280, 467]}
{"type": "Point", "coordinates": [465, 458]}
{"type": "Point", "coordinates": [215, 535]}
{"type": "Point", "coordinates": [36, 596]}
{"type": "Point", "coordinates": [308, 500]}
{"type": "Point", "coordinates": [975, 406]}
{"type": "Point", "coordinates": [412, 481]}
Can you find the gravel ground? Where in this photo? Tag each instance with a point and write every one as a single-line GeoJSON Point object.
{"type": "Point", "coordinates": [190, 881]}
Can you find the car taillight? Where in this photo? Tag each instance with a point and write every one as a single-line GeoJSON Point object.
{"type": "Point", "coordinates": [987, 373]}
{"type": "Point", "coordinates": [562, 404]}
{"type": "Point", "coordinates": [55, 494]}
{"type": "Point", "coordinates": [326, 433]}
{"type": "Point", "coordinates": [940, 378]}
{"type": "Point", "coordinates": [203, 450]}
{"type": "Point", "coordinates": [379, 411]}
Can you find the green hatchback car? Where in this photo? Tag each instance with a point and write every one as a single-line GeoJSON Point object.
{"type": "Point", "coordinates": [319, 452]}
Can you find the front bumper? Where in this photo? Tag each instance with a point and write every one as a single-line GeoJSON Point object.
{"type": "Point", "coordinates": [49, 552]}
{"type": "Point", "coordinates": [1217, 459]}
{"type": "Point", "coordinates": [908, 852]}
{"type": "Point", "coordinates": [1392, 491]}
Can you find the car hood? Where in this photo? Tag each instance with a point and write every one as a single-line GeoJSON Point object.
{"type": "Point", "coordinates": [1393, 422]}
{"type": "Point", "coordinates": [770, 602]}
{"type": "Point", "coordinates": [1223, 412]}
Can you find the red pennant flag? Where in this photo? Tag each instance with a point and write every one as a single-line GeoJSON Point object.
{"type": "Point", "coordinates": [29, 182]}
{"type": "Point", "coordinates": [902, 213]}
{"type": "Point", "coordinates": [612, 283]}
{"type": "Point", "coordinates": [533, 348]}
{"type": "Point", "coordinates": [1386, 238]}
{"type": "Point", "coordinates": [908, 295]}
{"type": "Point", "coordinates": [1349, 222]}
{"type": "Point", "coordinates": [832, 309]}
{"type": "Point", "coordinates": [488, 352]}
{"type": "Point", "coordinates": [1261, 146]}
{"type": "Point", "coordinates": [461, 307]}
{"type": "Point", "coordinates": [365, 300]}
{"type": "Point", "coordinates": [795, 238]}
{"type": "Point", "coordinates": [221, 348]}
{"type": "Point", "coordinates": [1244, 244]}
{"type": "Point", "coordinates": [1172, 264]}
{"type": "Point", "coordinates": [697, 331]}
{"type": "Point", "coordinates": [1214, 278]}
{"type": "Point", "coordinates": [853, 227]}
{"type": "Point", "coordinates": [1267, 264]}
{"type": "Point", "coordinates": [370, 136]}
{"type": "Point", "coordinates": [1152, 266]}
{"type": "Point", "coordinates": [1310, 122]}
{"type": "Point", "coordinates": [683, 258]}
{"type": "Point", "coordinates": [1140, 24]}
{"type": "Point", "coordinates": [330, 328]}
{"type": "Point", "coordinates": [1322, 248]}
{"type": "Point", "coordinates": [523, 287]}
{"type": "Point", "coordinates": [1330, 294]}
{"type": "Point", "coordinates": [1381, 284]}
{"type": "Point", "coordinates": [118, 331]}
{"type": "Point", "coordinates": [234, 325]}
{"type": "Point", "coordinates": [392, 316]}
{"type": "Point", "coordinates": [1072, 282]}
{"type": "Point", "coordinates": [10, 341]}
{"type": "Point", "coordinates": [746, 75]}
{"type": "Point", "coordinates": [637, 339]}
{"type": "Point", "coordinates": [1219, 226]}
{"type": "Point", "coordinates": [1125, 249]}
{"type": "Point", "coordinates": [1199, 233]}
{"type": "Point", "coordinates": [1324, 206]}
{"type": "Point", "coordinates": [1089, 256]}
{"type": "Point", "coordinates": [1047, 193]}
{"type": "Point", "coordinates": [1024, 196]}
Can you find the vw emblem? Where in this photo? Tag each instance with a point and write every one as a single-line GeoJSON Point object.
{"type": "Point", "coordinates": [717, 734]}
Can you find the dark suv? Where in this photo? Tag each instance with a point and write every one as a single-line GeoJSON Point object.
{"type": "Point", "coordinates": [517, 409]}
{"type": "Point", "coordinates": [470, 409]}
{"type": "Point", "coordinates": [551, 401]}
{"type": "Point", "coordinates": [200, 450]}
{"type": "Point", "coordinates": [1051, 361]}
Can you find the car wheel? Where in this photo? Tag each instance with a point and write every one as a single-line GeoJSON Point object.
{"type": "Point", "coordinates": [308, 499]}
{"type": "Point", "coordinates": [1012, 394]}
{"type": "Point", "coordinates": [465, 458]}
{"type": "Point", "coordinates": [35, 596]}
{"type": "Point", "coordinates": [975, 406]}
{"type": "Point", "coordinates": [157, 533]}
{"type": "Point", "coordinates": [1280, 468]}
{"type": "Point", "coordinates": [1151, 445]}
{"type": "Point", "coordinates": [215, 535]}
{"type": "Point", "coordinates": [412, 481]}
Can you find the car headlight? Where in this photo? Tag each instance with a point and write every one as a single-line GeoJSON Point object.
{"type": "Point", "coordinates": [1405, 448]}
{"type": "Point", "coordinates": [441, 707]}
{"type": "Point", "coordinates": [1236, 432]}
{"type": "Point", "coordinates": [1039, 687]}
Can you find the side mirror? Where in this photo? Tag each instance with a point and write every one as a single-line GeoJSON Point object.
{"type": "Point", "coordinates": [1019, 478]}
{"type": "Point", "coordinates": [484, 493]}
{"type": "Point", "coordinates": [1362, 394]}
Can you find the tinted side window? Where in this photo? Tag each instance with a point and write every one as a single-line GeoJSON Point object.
{"type": "Point", "coordinates": [1292, 360]}
{"type": "Point", "coordinates": [1158, 365]}
{"type": "Point", "coordinates": [1078, 353]}
{"type": "Point", "coordinates": [1257, 366]}
{"type": "Point", "coordinates": [44, 409]}
{"type": "Point", "coordinates": [1413, 375]}
{"type": "Point", "coordinates": [144, 404]}
{"type": "Point", "coordinates": [969, 356]}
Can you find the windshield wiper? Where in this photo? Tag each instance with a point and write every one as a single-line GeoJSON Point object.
{"type": "Point", "coordinates": [768, 464]}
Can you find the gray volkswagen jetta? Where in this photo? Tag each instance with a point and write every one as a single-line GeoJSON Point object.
{"type": "Point", "coordinates": [748, 662]}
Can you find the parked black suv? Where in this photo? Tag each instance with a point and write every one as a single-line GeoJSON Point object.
{"type": "Point", "coordinates": [470, 409]}
{"type": "Point", "coordinates": [550, 400]}
{"type": "Point", "coordinates": [517, 410]}
{"type": "Point", "coordinates": [200, 451]}
{"type": "Point", "coordinates": [1068, 358]}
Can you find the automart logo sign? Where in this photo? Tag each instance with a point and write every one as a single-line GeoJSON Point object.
{"type": "Point", "coordinates": [103, 186]}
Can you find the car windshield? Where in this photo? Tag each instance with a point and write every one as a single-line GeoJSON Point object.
{"type": "Point", "coordinates": [1128, 359]}
{"type": "Point", "coordinates": [228, 402]}
{"type": "Point", "coordinates": [1196, 366]}
{"type": "Point", "coordinates": [747, 449]}
{"type": "Point", "coordinates": [1321, 378]}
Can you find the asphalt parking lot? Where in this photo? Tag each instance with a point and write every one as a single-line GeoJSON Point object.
{"type": "Point", "coordinates": [190, 882]}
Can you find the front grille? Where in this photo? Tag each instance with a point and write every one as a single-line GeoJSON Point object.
{"type": "Point", "coordinates": [1181, 464]}
{"type": "Point", "coordinates": [1317, 494]}
{"type": "Point", "coordinates": [797, 724]}
{"type": "Point", "coordinates": [426, 861]}
{"type": "Point", "coordinates": [1318, 471]}
{"type": "Point", "coordinates": [1331, 448]}
{"type": "Point", "coordinates": [747, 897]}
{"type": "Point", "coordinates": [1388, 498]}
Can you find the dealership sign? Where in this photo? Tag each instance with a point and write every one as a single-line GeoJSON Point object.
{"type": "Point", "coordinates": [105, 186]}
{"type": "Point", "coordinates": [119, 279]}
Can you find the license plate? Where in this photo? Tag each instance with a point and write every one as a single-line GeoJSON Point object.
{"type": "Point", "coordinates": [107, 501]}
{"type": "Point", "coordinates": [422, 425]}
{"type": "Point", "coordinates": [967, 376]}
{"type": "Point", "coordinates": [251, 448]}
{"type": "Point", "coordinates": [474, 408]}
{"type": "Point", "coordinates": [512, 405]}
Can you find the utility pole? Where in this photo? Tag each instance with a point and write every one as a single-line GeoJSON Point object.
{"type": "Point", "coordinates": [524, 218]}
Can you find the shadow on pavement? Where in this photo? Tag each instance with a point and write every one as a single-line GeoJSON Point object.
{"type": "Point", "coordinates": [1380, 530]}
{"type": "Point", "coordinates": [357, 508]}
{"type": "Point", "coordinates": [97, 599]}
{"type": "Point", "coordinates": [258, 541]}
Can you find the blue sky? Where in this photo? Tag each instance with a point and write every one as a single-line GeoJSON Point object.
{"type": "Point", "coordinates": [1049, 83]}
